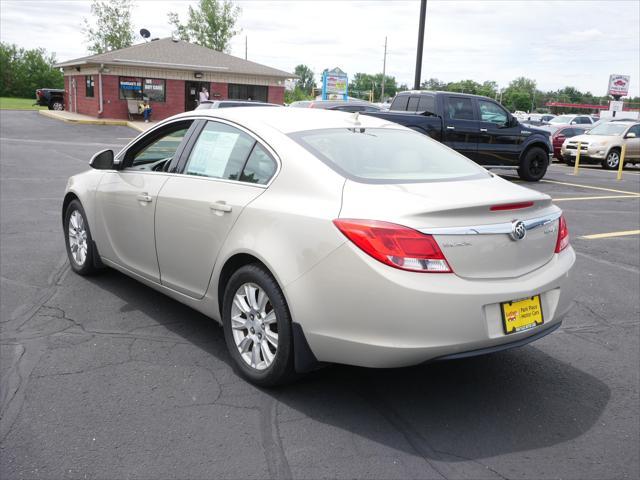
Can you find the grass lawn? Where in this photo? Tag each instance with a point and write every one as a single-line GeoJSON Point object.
{"type": "Point", "coordinates": [8, 103]}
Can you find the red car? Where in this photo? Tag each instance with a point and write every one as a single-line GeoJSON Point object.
{"type": "Point", "coordinates": [561, 134]}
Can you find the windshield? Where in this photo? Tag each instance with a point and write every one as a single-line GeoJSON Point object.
{"type": "Point", "coordinates": [608, 129]}
{"type": "Point", "coordinates": [381, 155]}
{"type": "Point", "coordinates": [562, 119]}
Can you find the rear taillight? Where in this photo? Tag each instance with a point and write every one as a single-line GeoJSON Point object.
{"type": "Point", "coordinates": [395, 245]}
{"type": "Point", "coordinates": [563, 235]}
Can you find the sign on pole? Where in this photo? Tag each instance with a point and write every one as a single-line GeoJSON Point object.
{"type": "Point", "coordinates": [619, 85]}
{"type": "Point", "coordinates": [335, 83]}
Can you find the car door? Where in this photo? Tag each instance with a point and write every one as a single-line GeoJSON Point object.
{"type": "Point", "coordinates": [225, 170]}
{"type": "Point", "coordinates": [499, 138]}
{"type": "Point", "coordinates": [633, 144]}
{"type": "Point", "coordinates": [460, 125]}
{"type": "Point", "coordinates": [126, 199]}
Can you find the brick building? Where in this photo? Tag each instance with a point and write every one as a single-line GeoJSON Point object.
{"type": "Point", "coordinates": [170, 73]}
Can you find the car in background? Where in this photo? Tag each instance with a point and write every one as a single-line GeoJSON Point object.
{"type": "Point", "coordinates": [572, 120]}
{"type": "Point", "coordinates": [52, 98]}
{"type": "Point", "coordinates": [340, 105]}
{"type": "Point", "coordinates": [279, 222]}
{"type": "Point", "coordinates": [603, 145]}
{"type": "Point", "coordinates": [212, 104]}
{"type": "Point", "coordinates": [561, 134]}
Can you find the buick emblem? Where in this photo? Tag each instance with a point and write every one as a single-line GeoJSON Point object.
{"type": "Point", "coordinates": [518, 230]}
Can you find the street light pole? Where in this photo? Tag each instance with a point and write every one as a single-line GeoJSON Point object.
{"type": "Point", "coordinates": [423, 14]}
{"type": "Point", "coordinates": [384, 67]}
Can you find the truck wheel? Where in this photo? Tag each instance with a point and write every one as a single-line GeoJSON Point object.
{"type": "Point", "coordinates": [612, 161]}
{"type": "Point", "coordinates": [533, 165]}
{"type": "Point", "coordinates": [56, 105]}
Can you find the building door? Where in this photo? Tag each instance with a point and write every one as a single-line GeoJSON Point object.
{"type": "Point", "coordinates": [192, 89]}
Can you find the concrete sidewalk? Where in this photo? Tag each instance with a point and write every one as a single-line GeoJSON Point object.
{"type": "Point", "coordinates": [71, 117]}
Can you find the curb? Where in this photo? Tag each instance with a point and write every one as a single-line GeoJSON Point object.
{"type": "Point", "coordinates": [83, 121]}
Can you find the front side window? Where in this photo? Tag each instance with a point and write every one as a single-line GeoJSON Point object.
{"type": "Point", "coordinates": [156, 153]}
{"type": "Point", "coordinates": [490, 112]}
{"type": "Point", "coordinates": [381, 155]}
{"type": "Point", "coordinates": [459, 108]}
{"type": "Point", "coordinates": [400, 103]}
{"type": "Point", "coordinates": [89, 84]}
{"type": "Point", "coordinates": [635, 129]}
{"type": "Point", "coordinates": [427, 103]}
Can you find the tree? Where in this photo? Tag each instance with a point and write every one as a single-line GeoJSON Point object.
{"type": "Point", "coordinates": [113, 28]}
{"type": "Point", "coordinates": [23, 71]}
{"type": "Point", "coordinates": [433, 84]}
{"type": "Point", "coordinates": [211, 24]}
{"type": "Point", "coordinates": [306, 82]}
{"type": "Point", "coordinates": [296, 95]}
{"type": "Point", "coordinates": [363, 83]}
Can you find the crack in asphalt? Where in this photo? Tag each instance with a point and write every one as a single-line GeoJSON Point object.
{"type": "Point", "coordinates": [277, 463]}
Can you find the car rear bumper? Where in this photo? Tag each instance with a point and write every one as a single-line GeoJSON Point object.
{"type": "Point", "coordinates": [355, 310]}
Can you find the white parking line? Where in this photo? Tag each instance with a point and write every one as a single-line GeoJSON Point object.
{"type": "Point", "coordinates": [597, 169]}
{"type": "Point", "coordinates": [603, 197]}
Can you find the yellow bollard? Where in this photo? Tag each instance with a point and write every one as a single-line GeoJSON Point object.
{"type": "Point", "coordinates": [621, 166]}
{"type": "Point", "coordinates": [575, 169]}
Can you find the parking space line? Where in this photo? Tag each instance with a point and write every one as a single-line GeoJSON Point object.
{"type": "Point", "coordinates": [595, 169]}
{"type": "Point", "coordinates": [611, 234]}
{"type": "Point", "coordinates": [603, 197]}
{"type": "Point", "coordinates": [590, 187]}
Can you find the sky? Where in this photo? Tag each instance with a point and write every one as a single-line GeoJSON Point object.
{"type": "Point", "coordinates": [557, 43]}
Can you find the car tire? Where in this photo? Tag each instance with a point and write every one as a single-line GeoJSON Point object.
{"type": "Point", "coordinates": [612, 162]}
{"type": "Point", "coordinates": [78, 240]}
{"type": "Point", "coordinates": [533, 165]}
{"type": "Point", "coordinates": [250, 324]}
{"type": "Point", "coordinates": [56, 105]}
{"type": "Point", "coordinates": [570, 161]}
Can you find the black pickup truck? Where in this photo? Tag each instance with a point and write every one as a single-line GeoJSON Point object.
{"type": "Point", "coordinates": [50, 97]}
{"type": "Point", "coordinates": [478, 127]}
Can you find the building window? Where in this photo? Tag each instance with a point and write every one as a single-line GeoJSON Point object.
{"type": "Point", "coordinates": [137, 88]}
{"type": "Point", "coordinates": [248, 92]}
{"type": "Point", "coordinates": [88, 80]}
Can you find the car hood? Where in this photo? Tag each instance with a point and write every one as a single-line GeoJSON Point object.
{"type": "Point", "coordinates": [594, 138]}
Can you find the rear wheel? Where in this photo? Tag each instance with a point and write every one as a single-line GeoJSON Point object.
{"type": "Point", "coordinates": [534, 164]}
{"type": "Point", "coordinates": [56, 105]}
{"type": "Point", "coordinates": [257, 327]}
{"type": "Point", "coordinates": [80, 248]}
{"type": "Point", "coordinates": [570, 161]}
{"type": "Point", "coordinates": [612, 161]}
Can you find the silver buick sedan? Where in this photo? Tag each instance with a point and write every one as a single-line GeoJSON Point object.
{"type": "Point", "coordinates": [316, 236]}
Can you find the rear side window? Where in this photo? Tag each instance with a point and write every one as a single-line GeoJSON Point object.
{"type": "Point", "coordinates": [427, 103]}
{"type": "Point", "coordinates": [459, 108]}
{"type": "Point", "coordinates": [385, 155]}
{"type": "Point", "coordinates": [260, 166]}
{"type": "Point", "coordinates": [400, 103]}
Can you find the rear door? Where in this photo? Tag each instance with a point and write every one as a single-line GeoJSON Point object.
{"type": "Point", "coordinates": [498, 140]}
{"type": "Point", "coordinates": [224, 171]}
{"type": "Point", "coordinates": [461, 127]}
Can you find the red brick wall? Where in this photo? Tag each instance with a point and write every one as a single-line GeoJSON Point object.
{"type": "Point", "coordinates": [276, 95]}
{"type": "Point", "coordinates": [219, 88]}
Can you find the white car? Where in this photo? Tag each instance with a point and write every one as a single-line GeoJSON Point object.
{"type": "Point", "coordinates": [572, 120]}
{"type": "Point", "coordinates": [316, 236]}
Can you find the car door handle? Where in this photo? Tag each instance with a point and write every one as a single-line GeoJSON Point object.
{"type": "Point", "coordinates": [483, 129]}
{"type": "Point", "coordinates": [220, 207]}
{"type": "Point", "coordinates": [144, 197]}
{"type": "Point", "coordinates": [450, 127]}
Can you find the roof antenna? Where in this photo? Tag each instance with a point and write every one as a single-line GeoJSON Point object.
{"type": "Point", "coordinates": [144, 33]}
{"type": "Point", "coordinates": [355, 118]}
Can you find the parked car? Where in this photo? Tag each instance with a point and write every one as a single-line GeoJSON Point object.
{"type": "Point", "coordinates": [478, 127]}
{"type": "Point", "coordinates": [340, 105]}
{"type": "Point", "coordinates": [209, 104]}
{"type": "Point", "coordinates": [603, 145]}
{"type": "Point", "coordinates": [561, 134]}
{"type": "Point", "coordinates": [571, 120]}
{"type": "Point", "coordinates": [53, 98]}
{"type": "Point", "coordinates": [317, 236]}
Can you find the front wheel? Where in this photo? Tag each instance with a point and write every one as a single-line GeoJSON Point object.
{"type": "Point", "coordinates": [80, 248]}
{"type": "Point", "coordinates": [612, 161]}
{"type": "Point", "coordinates": [534, 164]}
{"type": "Point", "coordinates": [257, 327]}
{"type": "Point", "coordinates": [56, 105]}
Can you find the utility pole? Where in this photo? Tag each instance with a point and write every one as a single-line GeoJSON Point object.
{"type": "Point", "coordinates": [423, 14]}
{"type": "Point", "coordinates": [246, 41]}
{"type": "Point", "coordinates": [384, 68]}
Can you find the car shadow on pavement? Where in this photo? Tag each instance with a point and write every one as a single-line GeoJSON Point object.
{"type": "Point", "coordinates": [459, 410]}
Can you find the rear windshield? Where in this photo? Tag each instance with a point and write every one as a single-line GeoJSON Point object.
{"type": "Point", "coordinates": [383, 155]}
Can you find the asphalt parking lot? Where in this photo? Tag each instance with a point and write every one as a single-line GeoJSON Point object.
{"type": "Point", "coordinates": [104, 378]}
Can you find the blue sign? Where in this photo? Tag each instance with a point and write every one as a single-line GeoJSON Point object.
{"type": "Point", "coordinates": [335, 83]}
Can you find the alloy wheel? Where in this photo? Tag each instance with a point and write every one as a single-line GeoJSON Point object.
{"type": "Point", "coordinates": [77, 238]}
{"type": "Point", "coordinates": [254, 326]}
{"type": "Point", "coordinates": [613, 159]}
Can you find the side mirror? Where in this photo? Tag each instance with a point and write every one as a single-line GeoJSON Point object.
{"type": "Point", "coordinates": [513, 122]}
{"type": "Point", "coordinates": [102, 160]}
{"type": "Point", "coordinates": [573, 122]}
{"type": "Point", "coordinates": [630, 135]}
